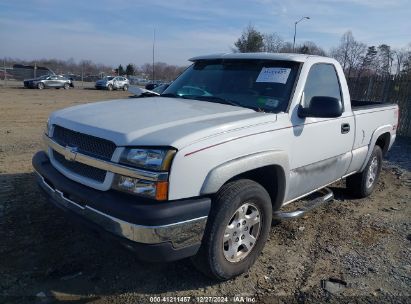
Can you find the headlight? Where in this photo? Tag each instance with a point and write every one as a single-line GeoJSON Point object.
{"type": "Point", "coordinates": [152, 159]}
{"type": "Point", "coordinates": [154, 190]}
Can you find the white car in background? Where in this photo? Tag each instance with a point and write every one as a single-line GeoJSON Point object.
{"type": "Point", "coordinates": [113, 83]}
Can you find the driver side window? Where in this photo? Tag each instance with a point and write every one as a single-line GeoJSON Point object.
{"type": "Point", "coordinates": [322, 80]}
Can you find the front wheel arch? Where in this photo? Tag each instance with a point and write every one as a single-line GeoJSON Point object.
{"type": "Point", "coordinates": [272, 178]}
{"type": "Point", "coordinates": [268, 168]}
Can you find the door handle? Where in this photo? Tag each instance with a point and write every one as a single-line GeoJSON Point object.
{"type": "Point", "coordinates": [345, 128]}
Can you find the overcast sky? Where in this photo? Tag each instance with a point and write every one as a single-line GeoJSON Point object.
{"type": "Point", "coordinates": [121, 31]}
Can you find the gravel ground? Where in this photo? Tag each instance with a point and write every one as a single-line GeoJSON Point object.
{"type": "Point", "coordinates": [349, 251]}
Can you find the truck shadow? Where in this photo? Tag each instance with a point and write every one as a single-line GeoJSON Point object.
{"type": "Point", "coordinates": [44, 252]}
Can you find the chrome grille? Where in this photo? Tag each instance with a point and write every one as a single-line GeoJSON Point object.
{"type": "Point", "coordinates": [80, 169]}
{"type": "Point", "coordinates": [86, 144]}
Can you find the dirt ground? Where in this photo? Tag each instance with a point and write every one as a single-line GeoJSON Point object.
{"type": "Point", "coordinates": [347, 251]}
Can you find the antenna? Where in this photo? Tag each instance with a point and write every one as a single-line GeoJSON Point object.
{"type": "Point", "coordinates": [154, 42]}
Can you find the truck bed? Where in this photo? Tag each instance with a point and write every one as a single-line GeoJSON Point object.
{"type": "Point", "coordinates": [365, 104]}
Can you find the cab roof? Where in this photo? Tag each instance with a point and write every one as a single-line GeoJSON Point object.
{"type": "Point", "coordinates": [266, 56]}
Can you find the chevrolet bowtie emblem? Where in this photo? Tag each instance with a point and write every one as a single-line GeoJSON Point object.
{"type": "Point", "coordinates": [70, 153]}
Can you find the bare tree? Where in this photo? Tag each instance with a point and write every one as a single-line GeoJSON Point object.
{"type": "Point", "coordinates": [350, 53]}
{"type": "Point", "coordinates": [287, 48]}
{"type": "Point", "coordinates": [407, 62]}
{"type": "Point", "coordinates": [400, 56]}
{"type": "Point", "coordinates": [356, 56]}
{"type": "Point", "coordinates": [310, 48]}
{"type": "Point", "coordinates": [272, 43]}
{"type": "Point", "coordinates": [163, 70]}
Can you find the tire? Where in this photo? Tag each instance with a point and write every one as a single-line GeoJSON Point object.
{"type": "Point", "coordinates": [363, 184]}
{"type": "Point", "coordinates": [66, 86]}
{"type": "Point", "coordinates": [125, 87]}
{"type": "Point", "coordinates": [40, 86]}
{"type": "Point", "coordinates": [110, 87]}
{"type": "Point", "coordinates": [222, 255]}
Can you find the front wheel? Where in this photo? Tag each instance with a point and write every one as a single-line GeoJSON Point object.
{"type": "Point", "coordinates": [66, 86]}
{"type": "Point", "coordinates": [363, 184]}
{"type": "Point", "coordinates": [237, 229]}
{"type": "Point", "coordinates": [40, 86]}
{"type": "Point", "coordinates": [110, 87]}
{"type": "Point", "coordinates": [125, 88]}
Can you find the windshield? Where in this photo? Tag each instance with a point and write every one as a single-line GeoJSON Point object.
{"type": "Point", "coordinates": [161, 88]}
{"type": "Point", "coordinates": [262, 85]}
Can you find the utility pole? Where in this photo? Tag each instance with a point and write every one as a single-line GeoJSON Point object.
{"type": "Point", "coordinates": [295, 30]}
{"type": "Point", "coordinates": [5, 73]}
{"type": "Point", "coordinates": [154, 42]}
{"type": "Point", "coordinates": [82, 74]}
{"type": "Point", "coordinates": [35, 70]}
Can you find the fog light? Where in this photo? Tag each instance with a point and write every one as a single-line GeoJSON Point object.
{"type": "Point", "coordinates": [156, 190]}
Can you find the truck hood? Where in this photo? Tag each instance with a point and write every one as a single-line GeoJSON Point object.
{"type": "Point", "coordinates": [156, 121]}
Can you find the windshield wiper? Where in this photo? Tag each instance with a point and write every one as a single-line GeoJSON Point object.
{"type": "Point", "coordinates": [202, 97]}
{"type": "Point", "coordinates": [170, 95]}
{"type": "Point", "coordinates": [213, 99]}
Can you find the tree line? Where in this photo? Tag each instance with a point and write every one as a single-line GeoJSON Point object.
{"type": "Point", "coordinates": [162, 71]}
{"type": "Point", "coordinates": [356, 58]}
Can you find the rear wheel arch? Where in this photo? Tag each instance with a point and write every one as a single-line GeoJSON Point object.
{"type": "Point", "coordinates": [383, 142]}
{"type": "Point", "coordinates": [382, 138]}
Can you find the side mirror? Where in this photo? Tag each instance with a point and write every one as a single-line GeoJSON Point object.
{"type": "Point", "coordinates": [322, 106]}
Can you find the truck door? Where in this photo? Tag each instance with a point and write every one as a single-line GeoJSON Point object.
{"type": "Point", "coordinates": [321, 147]}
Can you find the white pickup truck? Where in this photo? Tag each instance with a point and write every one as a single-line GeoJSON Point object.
{"type": "Point", "coordinates": [203, 168]}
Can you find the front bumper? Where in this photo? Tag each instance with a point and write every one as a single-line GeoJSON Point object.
{"type": "Point", "coordinates": [159, 231]}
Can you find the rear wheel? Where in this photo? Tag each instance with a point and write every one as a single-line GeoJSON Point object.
{"type": "Point", "coordinates": [40, 86]}
{"type": "Point", "coordinates": [363, 184]}
{"type": "Point", "coordinates": [125, 88]}
{"type": "Point", "coordinates": [237, 229]}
